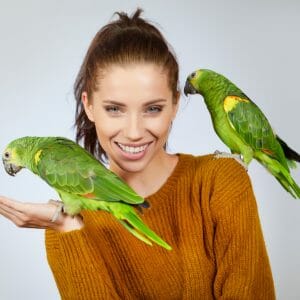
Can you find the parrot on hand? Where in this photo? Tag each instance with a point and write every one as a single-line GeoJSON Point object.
{"type": "Point", "coordinates": [81, 181]}
{"type": "Point", "coordinates": [243, 127]}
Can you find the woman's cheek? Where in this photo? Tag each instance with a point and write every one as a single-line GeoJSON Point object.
{"type": "Point", "coordinates": [160, 127]}
{"type": "Point", "coordinates": [107, 126]}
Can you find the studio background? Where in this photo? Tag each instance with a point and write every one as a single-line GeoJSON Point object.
{"type": "Point", "coordinates": [42, 44]}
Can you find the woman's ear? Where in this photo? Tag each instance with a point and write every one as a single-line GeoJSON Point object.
{"type": "Point", "coordinates": [88, 106]}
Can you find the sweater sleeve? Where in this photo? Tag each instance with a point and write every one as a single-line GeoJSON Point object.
{"type": "Point", "coordinates": [243, 269]}
{"type": "Point", "coordinates": [76, 264]}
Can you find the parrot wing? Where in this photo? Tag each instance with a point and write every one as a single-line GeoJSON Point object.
{"type": "Point", "coordinates": [69, 168]}
{"type": "Point", "coordinates": [254, 129]}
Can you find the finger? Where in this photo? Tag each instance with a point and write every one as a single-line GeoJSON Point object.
{"type": "Point", "coordinates": [14, 217]}
{"type": "Point", "coordinates": [24, 221]}
{"type": "Point", "coordinates": [12, 204]}
{"type": "Point", "coordinates": [28, 211]}
{"type": "Point", "coordinates": [14, 210]}
{"type": "Point", "coordinates": [10, 211]}
{"type": "Point", "coordinates": [38, 215]}
{"type": "Point", "coordinates": [26, 214]}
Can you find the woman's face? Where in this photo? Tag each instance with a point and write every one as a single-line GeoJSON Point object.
{"type": "Point", "coordinates": [132, 110]}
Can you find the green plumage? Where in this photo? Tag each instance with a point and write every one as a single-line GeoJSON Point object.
{"type": "Point", "coordinates": [243, 127]}
{"type": "Point", "coordinates": [81, 181]}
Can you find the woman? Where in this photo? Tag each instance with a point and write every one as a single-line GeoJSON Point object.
{"type": "Point", "coordinates": [127, 97]}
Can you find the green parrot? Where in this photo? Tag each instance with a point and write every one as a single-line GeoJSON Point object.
{"type": "Point", "coordinates": [243, 127]}
{"type": "Point", "coordinates": [81, 181]}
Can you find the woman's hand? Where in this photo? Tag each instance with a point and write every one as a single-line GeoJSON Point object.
{"type": "Point", "coordinates": [36, 215]}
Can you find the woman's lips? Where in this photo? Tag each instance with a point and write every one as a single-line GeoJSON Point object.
{"type": "Point", "coordinates": [133, 152]}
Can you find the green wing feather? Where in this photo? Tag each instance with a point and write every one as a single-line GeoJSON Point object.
{"type": "Point", "coordinates": [255, 130]}
{"type": "Point", "coordinates": [69, 168]}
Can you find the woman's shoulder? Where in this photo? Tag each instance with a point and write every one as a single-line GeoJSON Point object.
{"type": "Point", "coordinates": [225, 179]}
{"type": "Point", "coordinates": [213, 162]}
{"type": "Point", "coordinates": [217, 171]}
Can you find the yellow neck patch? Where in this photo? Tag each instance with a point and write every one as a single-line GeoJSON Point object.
{"type": "Point", "coordinates": [37, 156]}
{"type": "Point", "coordinates": [231, 102]}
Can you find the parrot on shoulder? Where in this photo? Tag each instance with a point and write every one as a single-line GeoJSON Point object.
{"type": "Point", "coordinates": [243, 127]}
{"type": "Point", "coordinates": [81, 181]}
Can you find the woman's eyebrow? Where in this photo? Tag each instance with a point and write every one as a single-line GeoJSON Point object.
{"type": "Point", "coordinates": [113, 102]}
{"type": "Point", "coordinates": [154, 101]}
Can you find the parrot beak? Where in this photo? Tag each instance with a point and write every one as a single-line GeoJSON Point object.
{"type": "Point", "coordinates": [188, 88]}
{"type": "Point", "coordinates": [11, 169]}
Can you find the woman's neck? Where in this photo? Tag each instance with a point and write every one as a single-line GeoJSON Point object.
{"type": "Point", "coordinates": [152, 178]}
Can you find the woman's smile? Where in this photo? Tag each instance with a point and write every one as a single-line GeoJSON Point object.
{"type": "Point", "coordinates": [131, 151]}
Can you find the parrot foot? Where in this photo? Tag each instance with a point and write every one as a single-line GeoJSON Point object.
{"type": "Point", "coordinates": [237, 157]}
{"type": "Point", "coordinates": [59, 209]}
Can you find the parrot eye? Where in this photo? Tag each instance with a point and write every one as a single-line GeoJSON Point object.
{"type": "Point", "coordinates": [6, 155]}
{"type": "Point", "coordinates": [193, 74]}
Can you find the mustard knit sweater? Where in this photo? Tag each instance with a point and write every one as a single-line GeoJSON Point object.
{"type": "Point", "coordinates": [205, 210]}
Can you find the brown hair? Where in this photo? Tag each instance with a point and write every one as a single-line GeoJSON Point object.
{"type": "Point", "coordinates": [126, 40]}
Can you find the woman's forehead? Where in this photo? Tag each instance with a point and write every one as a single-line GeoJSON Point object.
{"type": "Point", "coordinates": [143, 78]}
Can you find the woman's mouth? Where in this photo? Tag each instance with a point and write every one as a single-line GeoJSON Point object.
{"type": "Point", "coordinates": [133, 152]}
{"type": "Point", "coordinates": [132, 149]}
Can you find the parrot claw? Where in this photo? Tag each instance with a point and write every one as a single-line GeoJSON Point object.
{"type": "Point", "coordinates": [237, 157]}
{"type": "Point", "coordinates": [59, 209]}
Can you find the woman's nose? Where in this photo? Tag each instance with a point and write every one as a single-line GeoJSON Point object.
{"type": "Point", "coordinates": [133, 129]}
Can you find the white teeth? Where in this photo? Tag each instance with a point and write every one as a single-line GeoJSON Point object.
{"type": "Point", "coordinates": [132, 149]}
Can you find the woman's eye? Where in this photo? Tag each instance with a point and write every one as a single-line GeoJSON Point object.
{"type": "Point", "coordinates": [112, 109]}
{"type": "Point", "coordinates": [154, 109]}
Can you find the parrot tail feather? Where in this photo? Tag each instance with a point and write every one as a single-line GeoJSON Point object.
{"type": "Point", "coordinates": [291, 164]}
{"type": "Point", "coordinates": [280, 173]}
{"type": "Point", "coordinates": [135, 232]}
{"type": "Point", "coordinates": [292, 188]}
{"type": "Point", "coordinates": [132, 222]}
{"type": "Point", "coordinates": [289, 153]}
{"type": "Point", "coordinates": [288, 183]}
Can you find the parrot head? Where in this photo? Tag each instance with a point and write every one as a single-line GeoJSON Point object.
{"type": "Point", "coordinates": [199, 82]}
{"type": "Point", "coordinates": [13, 155]}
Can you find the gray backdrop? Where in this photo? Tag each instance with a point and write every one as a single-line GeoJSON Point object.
{"type": "Point", "coordinates": [42, 44]}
